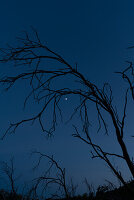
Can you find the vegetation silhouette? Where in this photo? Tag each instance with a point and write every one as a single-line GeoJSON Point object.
{"type": "Point", "coordinates": [31, 52]}
{"type": "Point", "coordinates": [65, 190]}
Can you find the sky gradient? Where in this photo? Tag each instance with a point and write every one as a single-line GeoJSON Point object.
{"type": "Point", "coordinates": [93, 33]}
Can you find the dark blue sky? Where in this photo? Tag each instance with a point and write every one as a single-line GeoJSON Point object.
{"type": "Point", "coordinates": [93, 33]}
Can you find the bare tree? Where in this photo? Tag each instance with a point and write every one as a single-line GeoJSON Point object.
{"type": "Point", "coordinates": [31, 53]}
{"type": "Point", "coordinates": [9, 171]}
{"type": "Point", "coordinates": [54, 175]}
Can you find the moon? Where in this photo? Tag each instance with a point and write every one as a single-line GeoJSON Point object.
{"type": "Point", "coordinates": [65, 98]}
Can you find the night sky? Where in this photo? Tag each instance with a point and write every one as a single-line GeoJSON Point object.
{"type": "Point", "coordinates": [93, 33]}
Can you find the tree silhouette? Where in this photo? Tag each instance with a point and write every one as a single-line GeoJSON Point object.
{"type": "Point", "coordinates": [31, 53]}
{"type": "Point", "coordinates": [9, 171]}
{"type": "Point", "coordinates": [54, 175]}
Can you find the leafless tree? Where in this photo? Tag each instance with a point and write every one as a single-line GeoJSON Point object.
{"type": "Point", "coordinates": [34, 56]}
{"type": "Point", "coordinates": [9, 171]}
{"type": "Point", "coordinates": [54, 175]}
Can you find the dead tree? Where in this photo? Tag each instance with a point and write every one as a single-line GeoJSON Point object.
{"type": "Point", "coordinates": [9, 172]}
{"type": "Point", "coordinates": [31, 53]}
{"type": "Point", "coordinates": [55, 175]}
